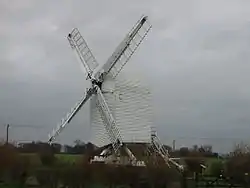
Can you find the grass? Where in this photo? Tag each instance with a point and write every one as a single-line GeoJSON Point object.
{"type": "Point", "coordinates": [63, 158]}
{"type": "Point", "coordinates": [68, 158]}
{"type": "Point", "coordinates": [9, 185]}
{"type": "Point", "coordinates": [33, 158]}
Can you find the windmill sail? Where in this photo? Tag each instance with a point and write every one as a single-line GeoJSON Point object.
{"type": "Point", "coordinates": [126, 48]}
{"type": "Point", "coordinates": [78, 43]}
{"type": "Point", "coordinates": [109, 121]}
{"type": "Point", "coordinates": [69, 116]}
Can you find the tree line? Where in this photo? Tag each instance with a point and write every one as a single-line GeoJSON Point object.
{"type": "Point", "coordinates": [78, 147]}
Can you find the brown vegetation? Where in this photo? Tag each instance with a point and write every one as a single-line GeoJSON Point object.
{"type": "Point", "coordinates": [52, 172]}
{"type": "Point", "coordinates": [238, 165]}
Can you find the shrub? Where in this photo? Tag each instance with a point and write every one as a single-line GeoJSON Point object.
{"type": "Point", "coordinates": [47, 156]}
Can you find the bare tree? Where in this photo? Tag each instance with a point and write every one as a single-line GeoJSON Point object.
{"type": "Point", "coordinates": [78, 142]}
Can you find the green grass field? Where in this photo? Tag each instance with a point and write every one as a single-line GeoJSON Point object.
{"type": "Point", "coordinates": [69, 158]}
{"type": "Point", "coordinates": [63, 158]}
{"type": "Point", "coordinates": [3, 185]}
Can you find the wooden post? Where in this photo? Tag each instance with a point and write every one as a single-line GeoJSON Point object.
{"type": "Point", "coordinates": [7, 134]}
{"type": "Point", "coordinates": [184, 179]}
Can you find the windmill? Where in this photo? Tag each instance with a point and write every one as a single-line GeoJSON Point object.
{"type": "Point", "coordinates": [102, 95]}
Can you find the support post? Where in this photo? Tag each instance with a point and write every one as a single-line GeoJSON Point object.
{"type": "Point", "coordinates": [184, 179]}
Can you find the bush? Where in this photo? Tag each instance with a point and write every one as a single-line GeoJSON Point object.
{"type": "Point", "coordinates": [194, 161]}
{"type": "Point", "coordinates": [47, 156]}
{"type": "Point", "coordinates": [238, 164]}
{"type": "Point", "coordinates": [8, 156]}
{"type": "Point", "coordinates": [11, 165]}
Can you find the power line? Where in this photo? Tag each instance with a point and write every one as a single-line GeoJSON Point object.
{"type": "Point", "coordinates": [212, 138]}
{"type": "Point", "coordinates": [209, 138]}
{"type": "Point", "coordinates": [18, 126]}
{"type": "Point", "coordinates": [24, 126]}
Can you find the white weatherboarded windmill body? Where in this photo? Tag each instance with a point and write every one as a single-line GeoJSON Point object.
{"type": "Point", "coordinates": [119, 106]}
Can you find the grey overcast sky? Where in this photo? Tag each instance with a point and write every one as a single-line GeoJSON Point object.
{"type": "Point", "coordinates": [196, 59]}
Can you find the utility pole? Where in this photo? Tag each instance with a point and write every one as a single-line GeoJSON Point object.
{"type": "Point", "coordinates": [7, 134]}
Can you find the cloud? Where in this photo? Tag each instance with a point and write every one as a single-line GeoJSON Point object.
{"type": "Point", "coordinates": [197, 53]}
